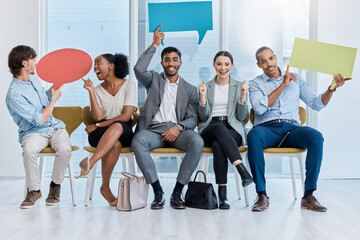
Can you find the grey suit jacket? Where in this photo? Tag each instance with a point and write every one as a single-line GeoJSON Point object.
{"type": "Point", "coordinates": [187, 98]}
{"type": "Point", "coordinates": [237, 111]}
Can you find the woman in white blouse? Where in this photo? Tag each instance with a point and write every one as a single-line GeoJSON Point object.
{"type": "Point", "coordinates": [222, 111]}
{"type": "Point", "coordinates": [112, 105]}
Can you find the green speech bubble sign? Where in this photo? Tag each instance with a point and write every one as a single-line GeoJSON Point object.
{"type": "Point", "coordinates": [323, 57]}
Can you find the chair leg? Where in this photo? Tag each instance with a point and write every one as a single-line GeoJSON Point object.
{"type": "Point", "coordinates": [246, 196]}
{"type": "Point", "coordinates": [41, 167]}
{"type": "Point", "coordinates": [92, 182]}
{"type": "Point", "coordinates": [247, 165]}
{"type": "Point", "coordinates": [302, 173]}
{"type": "Point", "coordinates": [238, 184]}
{"type": "Point", "coordinates": [204, 165]}
{"type": "Point", "coordinates": [72, 182]}
{"type": "Point", "coordinates": [131, 161]}
{"type": "Point", "coordinates": [293, 177]}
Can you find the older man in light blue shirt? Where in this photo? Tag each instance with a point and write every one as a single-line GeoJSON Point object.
{"type": "Point", "coordinates": [274, 97]}
{"type": "Point", "coordinates": [31, 108]}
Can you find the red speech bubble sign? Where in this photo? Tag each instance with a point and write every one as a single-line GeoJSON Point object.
{"type": "Point", "coordinates": [64, 66]}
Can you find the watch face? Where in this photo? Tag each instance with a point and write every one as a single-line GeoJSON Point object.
{"type": "Point", "coordinates": [180, 127]}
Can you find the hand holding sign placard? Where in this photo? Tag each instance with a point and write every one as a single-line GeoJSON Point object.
{"type": "Point", "coordinates": [181, 16]}
{"type": "Point", "coordinates": [64, 66]}
{"type": "Point", "coordinates": [323, 57]}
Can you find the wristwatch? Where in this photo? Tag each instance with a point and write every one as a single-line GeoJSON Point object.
{"type": "Point", "coordinates": [181, 128]}
{"type": "Point", "coordinates": [97, 124]}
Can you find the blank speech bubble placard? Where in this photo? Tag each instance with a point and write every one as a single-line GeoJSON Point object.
{"type": "Point", "coordinates": [64, 66]}
{"type": "Point", "coordinates": [181, 16]}
{"type": "Point", "coordinates": [323, 57]}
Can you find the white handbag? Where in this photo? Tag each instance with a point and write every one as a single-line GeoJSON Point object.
{"type": "Point", "coordinates": [133, 192]}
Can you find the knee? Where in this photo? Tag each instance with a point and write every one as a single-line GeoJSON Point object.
{"type": "Point", "coordinates": [138, 141]}
{"type": "Point", "coordinates": [196, 141]}
{"type": "Point", "coordinates": [316, 138]}
{"type": "Point", "coordinates": [116, 128]}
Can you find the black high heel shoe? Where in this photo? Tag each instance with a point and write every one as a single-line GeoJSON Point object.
{"type": "Point", "coordinates": [245, 175]}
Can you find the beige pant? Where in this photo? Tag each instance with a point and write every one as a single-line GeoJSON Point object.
{"type": "Point", "coordinates": [33, 143]}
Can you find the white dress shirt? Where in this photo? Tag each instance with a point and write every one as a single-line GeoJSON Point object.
{"type": "Point", "coordinates": [167, 111]}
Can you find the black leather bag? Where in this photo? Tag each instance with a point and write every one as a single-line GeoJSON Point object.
{"type": "Point", "coordinates": [201, 194]}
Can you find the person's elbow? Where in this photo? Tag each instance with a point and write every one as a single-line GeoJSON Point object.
{"type": "Point", "coordinates": [39, 120]}
{"type": "Point", "coordinates": [260, 109]}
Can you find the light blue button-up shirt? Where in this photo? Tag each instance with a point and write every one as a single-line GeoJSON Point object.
{"type": "Point", "coordinates": [25, 102]}
{"type": "Point", "coordinates": [287, 105]}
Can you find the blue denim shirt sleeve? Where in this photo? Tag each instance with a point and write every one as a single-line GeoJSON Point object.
{"type": "Point", "coordinates": [258, 100]}
{"type": "Point", "coordinates": [20, 106]}
{"type": "Point", "coordinates": [48, 95]}
{"type": "Point", "coordinates": [308, 97]}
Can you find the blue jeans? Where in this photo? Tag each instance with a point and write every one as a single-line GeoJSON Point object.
{"type": "Point", "coordinates": [270, 135]}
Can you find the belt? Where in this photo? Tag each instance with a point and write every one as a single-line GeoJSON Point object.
{"type": "Point", "coordinates": [279, 121]}
{"type": "Point", "coordinates": [219, 118]}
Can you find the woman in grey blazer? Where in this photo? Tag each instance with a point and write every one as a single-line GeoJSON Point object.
{"type": "Point", "coordinates": [222, 110]}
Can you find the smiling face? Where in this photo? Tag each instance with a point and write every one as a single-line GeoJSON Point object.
{"type": "Point", "coordinates": [171, 64]}
{"type": "Point", "coordinates": [103, 68]}
{"type": "Point", "coordinates": [223, 67]}
{"type": "Point", "coordinates": [268, 63]}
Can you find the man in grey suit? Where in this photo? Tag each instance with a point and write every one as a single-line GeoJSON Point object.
{"type": "Point", "coordinates": [167, 119]}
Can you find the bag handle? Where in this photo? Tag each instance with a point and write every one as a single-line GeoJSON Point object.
{"type": "Point", "coordinates": [130, 175]}
{"type": "Point", "coordinates": [202, 173]}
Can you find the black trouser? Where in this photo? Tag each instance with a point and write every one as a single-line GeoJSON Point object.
{"type": "Point", "coordinates": [224, 142]}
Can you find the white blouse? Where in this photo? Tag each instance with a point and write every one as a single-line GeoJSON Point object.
{"type": "Point", "coordinates": [112, 106]}
{"type": "Point", "coordinates": [221, 97]}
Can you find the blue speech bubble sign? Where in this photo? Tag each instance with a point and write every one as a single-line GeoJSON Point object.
{"type": "Point", "coordinates": [181, 16]}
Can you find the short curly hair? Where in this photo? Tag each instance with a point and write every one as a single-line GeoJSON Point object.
{"type": "Point", "coordinates": [121, 63]}
{"type": "Point", "coordinates": [17, 55]}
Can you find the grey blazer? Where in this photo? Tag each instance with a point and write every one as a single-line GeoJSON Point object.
{"type": "Point", "coordinates": [187, 98]}
{"type": "Point", "coordinates": [237, 111]}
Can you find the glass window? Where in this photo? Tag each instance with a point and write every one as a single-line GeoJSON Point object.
{"type": "Point", "coordinates": [95, 27]}
{"type": "Point", "coordinates": [275, 24]}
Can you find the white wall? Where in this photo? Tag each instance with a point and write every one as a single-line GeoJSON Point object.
{"type": "Point", "coordinates": [19, 24]}
{"type": "Point", "coordinates": [339, 122]}
{"type": "Point", "coordinates": [337, 23]}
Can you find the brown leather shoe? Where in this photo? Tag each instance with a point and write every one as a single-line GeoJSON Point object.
{"type": "Point", "coordinates": [261, 203]}
{"type": "Point", "coordinates": [311, 203]}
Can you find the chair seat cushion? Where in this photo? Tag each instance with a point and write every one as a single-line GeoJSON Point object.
{"type": "Point", "coordinates": [167, 150]}
{"type": "Point", "coordinates": [123, 150]}
{"type": "Point", "coordinates": [50, 150]}
{"type": "Point", "coordinates": [209, 150]}
{"type": "Point", "coordinates": [284, 150]}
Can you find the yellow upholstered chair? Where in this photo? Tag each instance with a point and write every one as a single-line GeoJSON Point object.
{"type": "Point", "coordinates": [71, 116]}
{"type": "Point", "coordinates": [126, 154]}
{"type": "Point", "coordinates": [288, 152]}
{"type": "Point", "coordinates": [204, 166]}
